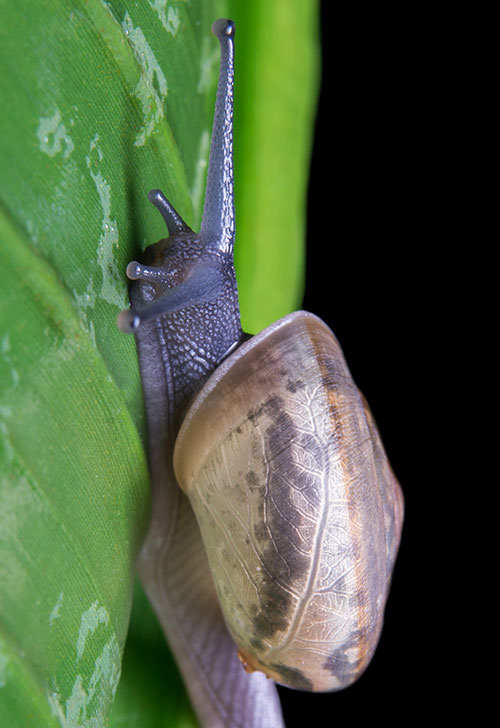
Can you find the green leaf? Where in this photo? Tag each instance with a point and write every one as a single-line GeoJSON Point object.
{"type": "Point", "coordinates": [277, 64]}
{"type": "Point", "coordinates": [71, 513]}
{"type": "Point", "coordinates": [102, 101]}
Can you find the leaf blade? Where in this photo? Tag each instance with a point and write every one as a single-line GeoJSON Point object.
{"type": "Point", "coordinates": [53, 577]}
{"type": "Point", "coordinates": [278, 65]}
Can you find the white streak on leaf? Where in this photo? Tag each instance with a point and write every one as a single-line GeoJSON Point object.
{"type": "Point", "coordinates": [53, 136]}
{"type": "Point", "coordinates": [91, 619]}
{"type": "Point", "coordinates": [88, 298]}
{"type": "Point", "coordinates": [152, 88]}
{"type": "Point", "coordinates": [112, 278]}
{"type": "Point", "coordinates": [169, 16]}
{"type": "Point", "coordinates": [55, 613]}
{"type": "Point", "coordinates": [89, 701]}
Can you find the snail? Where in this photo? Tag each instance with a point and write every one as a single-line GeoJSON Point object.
{"type": "Point", "coordinates": [276, 515]}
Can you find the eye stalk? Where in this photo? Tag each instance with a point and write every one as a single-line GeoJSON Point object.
{"type": "Point", "coordinates": [138, 272]}
{"type": "Point", "coordinates": [174, 222]}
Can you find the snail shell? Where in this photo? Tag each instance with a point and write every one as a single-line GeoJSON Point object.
{"type": "Point", "coordinates": [297, 505]}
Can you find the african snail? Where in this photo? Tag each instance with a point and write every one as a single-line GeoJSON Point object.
{"type": "Point", "coordinates": [298, 508]}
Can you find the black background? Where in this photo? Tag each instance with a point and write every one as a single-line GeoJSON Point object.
{"type": "Point", "coordinates": [375, 239]}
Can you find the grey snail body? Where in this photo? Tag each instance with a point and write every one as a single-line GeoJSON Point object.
{"type": "Point", "coordinates": [280, 553]}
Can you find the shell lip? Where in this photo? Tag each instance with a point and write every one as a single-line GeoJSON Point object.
{"type": "Point", "coordinates": [191, 433]}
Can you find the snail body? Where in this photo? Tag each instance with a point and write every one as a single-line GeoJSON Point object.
{"type": "Point", "coordinates": [289, 498]}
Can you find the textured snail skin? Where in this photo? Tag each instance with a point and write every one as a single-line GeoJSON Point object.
{"type": "Point", "coordinates": [289, 502]}
{"type": "Point", "coordinates": [298, 508]}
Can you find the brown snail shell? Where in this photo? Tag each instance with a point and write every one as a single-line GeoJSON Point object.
{"type": "Point", "coordinates": [297, 504]}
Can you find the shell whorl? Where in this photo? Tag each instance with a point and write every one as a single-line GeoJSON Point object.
{"type": "Point", "coordinates": [293, 497]}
